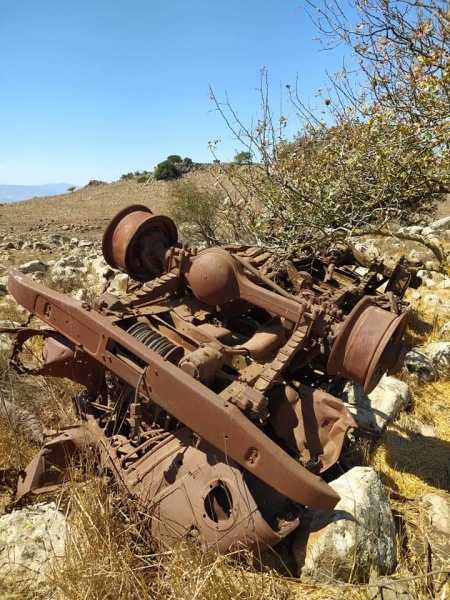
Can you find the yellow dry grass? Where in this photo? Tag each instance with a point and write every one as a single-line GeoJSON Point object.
{"type": "Point", "coordinates": [414, 454]}
{"type": "Point", "coordinates": [108, 556]}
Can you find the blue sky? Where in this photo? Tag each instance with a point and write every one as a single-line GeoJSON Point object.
{"type": "Point", "coordinates": [91, 89]}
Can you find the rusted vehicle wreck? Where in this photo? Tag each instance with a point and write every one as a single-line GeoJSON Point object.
{"type": "Point", "coordinates": [207, 386]}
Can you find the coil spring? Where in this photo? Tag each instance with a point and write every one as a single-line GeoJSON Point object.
{"type": "Point", "coordinates": [156, 342]}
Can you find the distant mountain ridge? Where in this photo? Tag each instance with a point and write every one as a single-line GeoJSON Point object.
{"type": "Point", "coordinates": [15, 193]}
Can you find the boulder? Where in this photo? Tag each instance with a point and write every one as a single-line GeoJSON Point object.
{"type": "Point", "coordinates": [444, 333]}
{"type": "Point", "coordinates": [439, 355]}
{"type": "Point", "coordinates": [30, 540]}
{"type": "Point", "coordinates": [356, 540]}
{"type": "Point", "coordinates": [373, 411]}
{"type": "Point", "coordinates": [420, 365]}
{"type": "Point", "coordinates": [368, 247]}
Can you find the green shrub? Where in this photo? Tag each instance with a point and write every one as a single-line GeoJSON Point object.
{"type": "Point", "coordinates": [166, 170]}
{"type": "Point", "coordinates": [174, 158]}
{"type": "Point", "coordinates": [143, 177]}
{"type": "Point", "coordinates": [198, 209]}
{"type": "Point", "coordinates": [243, 158]}
{"type": "Point", "coordinates": [127, 176]}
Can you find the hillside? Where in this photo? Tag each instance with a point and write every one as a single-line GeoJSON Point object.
{"type": "Point", "coordinates": [88, 209]}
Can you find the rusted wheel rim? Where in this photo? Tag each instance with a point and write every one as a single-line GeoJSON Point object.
{"type": "Point", "coordinates": [368, 345]}
{"type": "Point", "coordinates": [120, 240]}
{"type": "Point", "coordinates": [111, 229]}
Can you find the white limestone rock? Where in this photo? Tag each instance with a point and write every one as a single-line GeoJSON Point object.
{"type": "Point", "coordinates": [99, 267]}
{"type": "Point", "coordinates": [30, 540]}
{"type": "Point", "coordinates": [33, 266]}
{"type": "Point", "coordinates": [439, 355]}
{"type": "Point", "coordinates": [430, 542]}
{"type": "Point", "coordinates": [356, 539]}
{"type": "Point", "coordinates": [119, 284]}
{"type": "Point", "coordinates": [373, 411]}
{"type": "Point", "coordinates": [420, 365]}
{"type": "Point", "coordinates": [441, 224]}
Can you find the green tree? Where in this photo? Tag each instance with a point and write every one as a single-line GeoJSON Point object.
{"type": "Point", "coordinates": [72, 188]}
{"type": "Point", "coordinates": [243, 158]}
{"type": "Point", "coordinates": [166, 170]}
{"type": "Point", "coordinates": [369, 157]}
{"type": "Point", "coordinates": [174, 158]}
{"type": "Point", "coordinates": [402, 50]}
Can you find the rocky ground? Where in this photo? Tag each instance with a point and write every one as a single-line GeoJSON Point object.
{"type": "Point", "coordinates": [393, 520]}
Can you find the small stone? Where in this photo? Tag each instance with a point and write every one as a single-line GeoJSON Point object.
{"type": "Point", "coordinates": [34, 266]}
{"type": "Point", "coordinates": [431, 300]}
{"type": "Point", "coordinates": [55, 238]}
{"type": "Point", "coordinates": [415, 295]}
{"type": "Point", "coordinates": [428, 231]}
{"type": "Point", "coordinates": [441, 224]}
{"type": "Point", "coordinates": [8, 246]}
{"type": "Point", "coordinates": [385, 588]}
{"type": "Point", "coordinates": [416, 426]}
{"type": "Point", "coordinates": [414, 229]}
{"type": "Point", "coordinates": [40, 246]}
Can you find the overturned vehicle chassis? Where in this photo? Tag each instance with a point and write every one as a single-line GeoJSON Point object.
{"type": "Point", "coordinates": [207, 386]}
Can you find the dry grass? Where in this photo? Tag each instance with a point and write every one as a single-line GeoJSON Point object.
{"type": "Point", "coordinates": [108, 556]}
{"type": "Point", "coordinates": [413, 457]}
{"type": "Point", "coordinates": [425, 321]}
{"type": "Point", "coordinates": [28, 406]}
